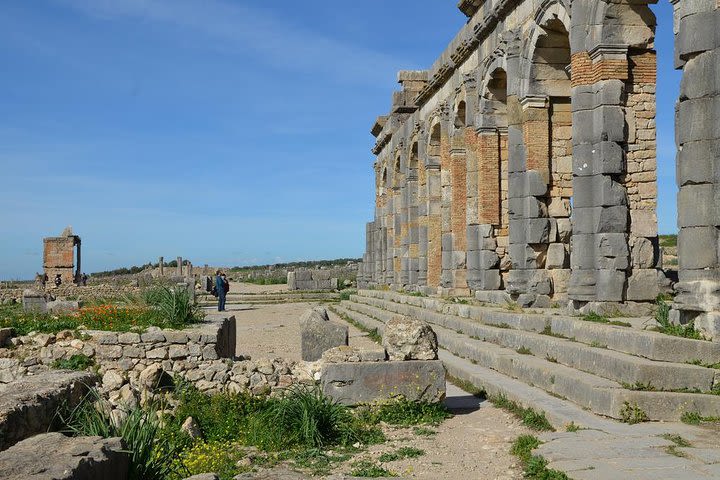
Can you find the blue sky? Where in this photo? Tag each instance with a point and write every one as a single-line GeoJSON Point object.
{"type": "Point", "coordinates": [225, 131]}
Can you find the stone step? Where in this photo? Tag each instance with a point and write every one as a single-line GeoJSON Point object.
{"type": "Point", "coordinates": [617, 366]}
{"type": "Point", "coordinates": [599, 395]}
{"type": "Point", "coordinates": [641, 343]}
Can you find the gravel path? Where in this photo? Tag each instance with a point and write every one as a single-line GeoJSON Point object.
{"type": "Point", "coordinates": [475, 443]}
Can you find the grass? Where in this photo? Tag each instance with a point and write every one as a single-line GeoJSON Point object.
{"type": "Point", "coordinates": [78, 361]}
{"type": "Point", "coordinates": [401, 453]}
{"type": "Point", "coordinates": [668, 240]}
{"type": "Point", "coordinates": [678, 442]}
{"type": "Point", "coordinates": [529, 417]}
{"type": "Point", "coordinates": [512, 307]}
{"type": "Point", "coordinates": [572, 427]}
{"type": "Point", "coordinates": [597, 318]}
{"type": "Point", "coordinates": [548, 331]}
{"type": "Point", "coordinates": [632, 414]}
{"type": "Point", "coordinates": [424, 431]}
{"type": "Point", "coordinates": [265, 280]}
{"type": "Point", "coordinates": [368, 469]}
{"type": "Point", "coordinates": [524, 350]}
{"type": "Point", "coordinates": [160, 306]}
{"type": "Point", "coordinates": [535, 466]}
{"type": "Point", "coordinates": [372, 333]}
{"type": "Point", "coordinates": [402, 413]}
{"type": "Point", "coordinates": [466, 386]}
{"type": "Point", "coordinates": [638, 386]}
{"type": "Point", "coordinates": [694, 418]}
{"type": "Point", "coordinates": [662, 316]}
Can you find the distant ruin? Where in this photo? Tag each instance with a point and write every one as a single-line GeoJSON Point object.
{"type": "Point", "coordinates": [59, 257]}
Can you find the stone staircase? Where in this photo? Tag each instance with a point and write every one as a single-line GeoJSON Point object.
{"type": "Point", "coordinates": [539, 359]}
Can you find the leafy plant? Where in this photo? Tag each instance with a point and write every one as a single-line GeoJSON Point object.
{"type": "Point", "coordinates": [175, 305]}
{"type": "Point", "coordinates": [401, 453]}
{"type": "Point", "coordinates": [140, 431]}
{"type": "Point", "coordinates": [402, 412]}
{"type": "Point", "coordinates": [632, 414]}
{"type": "Point", "coordinates": [662, 316]}
{"type": "Point", "coordinates": [79, 361]}
{"type": "Point", "coordinates": [524, 350]}
{"type": "Point", "coordinates": [365, 468]}
{"type": "Point", "coordinates": [528, 416]}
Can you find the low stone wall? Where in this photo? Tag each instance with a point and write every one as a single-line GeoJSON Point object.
{"type": "Point", "coordinates": [302, 279]}
{"type": "Point", "coordinates": [8, 295]}
{"type": "Point", "coordinates": [133, 367]}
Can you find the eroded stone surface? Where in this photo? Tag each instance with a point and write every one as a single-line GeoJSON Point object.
{"type": "Point", "coordinates": [407, 338]}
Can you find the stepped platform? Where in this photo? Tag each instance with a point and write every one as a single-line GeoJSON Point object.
{"type": "Point", "coordinates": [609, 370]}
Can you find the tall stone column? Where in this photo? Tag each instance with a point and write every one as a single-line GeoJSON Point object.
{"type": "Point", "coordinates": [78, 270]}
{"type": "Point", "coordinates": [161, 264]}
{"type": "Point", "coordinates": [412, 228]}
{"type": "Point", "coordinates": [697, 124]}
{"type": "Point", "coordinates": [434, 225]}
{"type": "Point", "coordinates": [179, 266]}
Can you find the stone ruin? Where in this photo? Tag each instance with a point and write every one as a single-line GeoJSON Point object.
{"type": "Point", "coordinates": [307, 279]}
{"type": "Point", "coordinates": [59, 258]}
{"type": "Point", "coordinates": [406, 365]}
{"type": "Point", "coordinates": [524, 160]}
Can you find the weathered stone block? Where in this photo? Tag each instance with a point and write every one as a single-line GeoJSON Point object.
{"type": "Point", "coordinates": [355, 383]}
{"type": "Point", "coordinates": [406, 338]}
{"type": "Point", "coordinates": [556, 256]}
{"type": "Point", "coordinates": [55, 456]}
{"type": "Point", "coordinates": [643, 285]}
{"type": "Point", "coordinates": [318, 334]}
{"type": "Point", "coordinates": [348, 353]}
{"type": "Point", "coordinates": [697, 248]}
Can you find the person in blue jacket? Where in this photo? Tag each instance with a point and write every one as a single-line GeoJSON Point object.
{"type": "Point", "coordinates": [221, 289]}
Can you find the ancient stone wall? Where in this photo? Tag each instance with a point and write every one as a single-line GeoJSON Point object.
{"type": "Point", "coordinates": [59, 257]}
{"type": "Point", "coordinates": [524, 159]}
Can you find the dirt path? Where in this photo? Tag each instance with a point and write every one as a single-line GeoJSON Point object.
{"type": "Point", "coordinates": [474, 444]}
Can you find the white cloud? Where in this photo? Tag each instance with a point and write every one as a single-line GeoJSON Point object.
{"type": "Point", "coordinates": [234, 27]}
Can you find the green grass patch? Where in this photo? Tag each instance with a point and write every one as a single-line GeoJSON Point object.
{"type": "Point", "coordinates": [662, 316]}
{"type": "Point", "coordinates": [597, 318]}
{"type": "Point", "coordinates": [528, 416]}
{"type": "Point", "coordinates": [403, 413]}
{"type": "Point", "coordinates": [668, 240]}
{"type": "Point", "coordinates": [639, 386]}
{"type": "Point", "coordinates": [401, 453]}
{"type": "Point", "coordinates": [79, 361]}
{"type": "Point", "coordinates": [694, 418]}
{"type": "Point", "coordinates": [535, 466]}
{"type": "Point", "coordinates": [424, 431]}
{"type": "Point", "coordinates": [368, 469]}
{"type": "Point", "coordinates": [466, 386]}
{"type": "Point", "coordinates": [632, 414]}
{"type": "Point", "coordinates": [524, 350]}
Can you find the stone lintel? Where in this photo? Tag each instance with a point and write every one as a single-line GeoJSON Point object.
{"type": "Point", "coordinates": [609, 52]}
{"type": "Point", "coordinates": [535, 101]}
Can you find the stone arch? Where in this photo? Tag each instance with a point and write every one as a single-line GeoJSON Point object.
{"type": "Point", "coordinates": [434, 139]}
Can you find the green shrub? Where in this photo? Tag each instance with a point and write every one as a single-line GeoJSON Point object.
{"type": "Point", "coordinates": [218, 457]}
{"type": "Point", "coordinates": [78, 361]}
{"type": "Point", "coordinates": [175, 305]}
{"type": "Point", "coordinates": [140, 431]}
{"type": "Point", "coordinates": [403, 412]}
{"type": "Point", "coordinates": [632, 414]}
{"type": "Point", "coordinates": [303, 417]}
{"type": "Point", "coordinates": [662, 316]}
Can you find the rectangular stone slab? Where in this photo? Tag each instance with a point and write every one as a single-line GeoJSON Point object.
{"type": "Point", "coordinates": [355, 383]}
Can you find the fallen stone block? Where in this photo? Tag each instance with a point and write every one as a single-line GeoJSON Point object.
{"type": "Point", "coordinates": [318, 334]}
{"type": "Point", "coordinates": [406, 338]}
{"type": "Point", "coordinates": [57, 457]}
{"type": "Point", "coordinates": [63, 306]}
{"type": "Point", "coordinates": [28, 406]}
{"type": "Point", "coordinates": [367, 382]}
{"type": "Point", "coordinates": [34, 301]}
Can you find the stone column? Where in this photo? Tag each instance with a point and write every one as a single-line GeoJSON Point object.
{"type": "Point", "coordinates": [434, 225]}
{"type": "Point", "coordinates": [412, 228]}
{"type": "Point", "coordinates": [78, 271]}
{"type": "Point", "coordinates": [179, 266]}
{"type": "Point", "coordinates": [161, 264]}
{"type": "Point", "coordinates": [697, 124]}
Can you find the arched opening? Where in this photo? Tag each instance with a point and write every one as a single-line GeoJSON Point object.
{"type": "Point", "coordinates": [460, 120]}
{"type": "Point", "coordinates": [548, 136]}
{"type": "Point", "coordinates": [434, 143]}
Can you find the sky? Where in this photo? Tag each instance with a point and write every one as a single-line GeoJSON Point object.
{"type": "Point", "coordinates": [228, 132]}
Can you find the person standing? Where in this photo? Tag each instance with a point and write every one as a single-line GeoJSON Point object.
{"type": "Point", "coordinates": [220, 289]}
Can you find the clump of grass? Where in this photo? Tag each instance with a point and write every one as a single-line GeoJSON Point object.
{"type": "Point", "coordinates": [694, 418]}
{"type": "Point", "coordinates": [632, 414]}
{"type": "Point", "coordinates": [548, 331]}
{"type": "Point", "coordinates": [424, 431]}
{"type": "Point", "coordinates": [551, 359]}
{"type": "Point", "coordinates": [317, 461]}
{"type": "Point", "coordinates": [535, 466]}
{"type": "Point", "coordinates": [466, 386]}
{"type": "Point", "coordinates": [401, 453]}
{"type": "Point", "coordinates": [79, 361]}
{"type": "Point", "coordinates": [528, 416]}
{"type": "Point", "coordinates": [368, 469]}
{"type": "Point", "coordinates": [140, 431]}
{"type": "Point", "coordinates": [639, 386]}
{"type": "Point", "coordinates": [572, 427]}
{"type": "Point", "coordinates": [304, 417]}
{"type": "Point", "coordinates": [662, 316]}
{"type": "Point", "coordinates": [523, 350]}
{"type": "Point", "coordinates": [512, 306]}
{"type": "Point", "coordinates": [597, 318]}
{"type": "Point", "coordinates": [175, 305]}
{"type": "Point", "coordinates": [402, 412]}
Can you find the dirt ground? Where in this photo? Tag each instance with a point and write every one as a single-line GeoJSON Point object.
{"type": "Point", "coordinates": [474, 444]}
